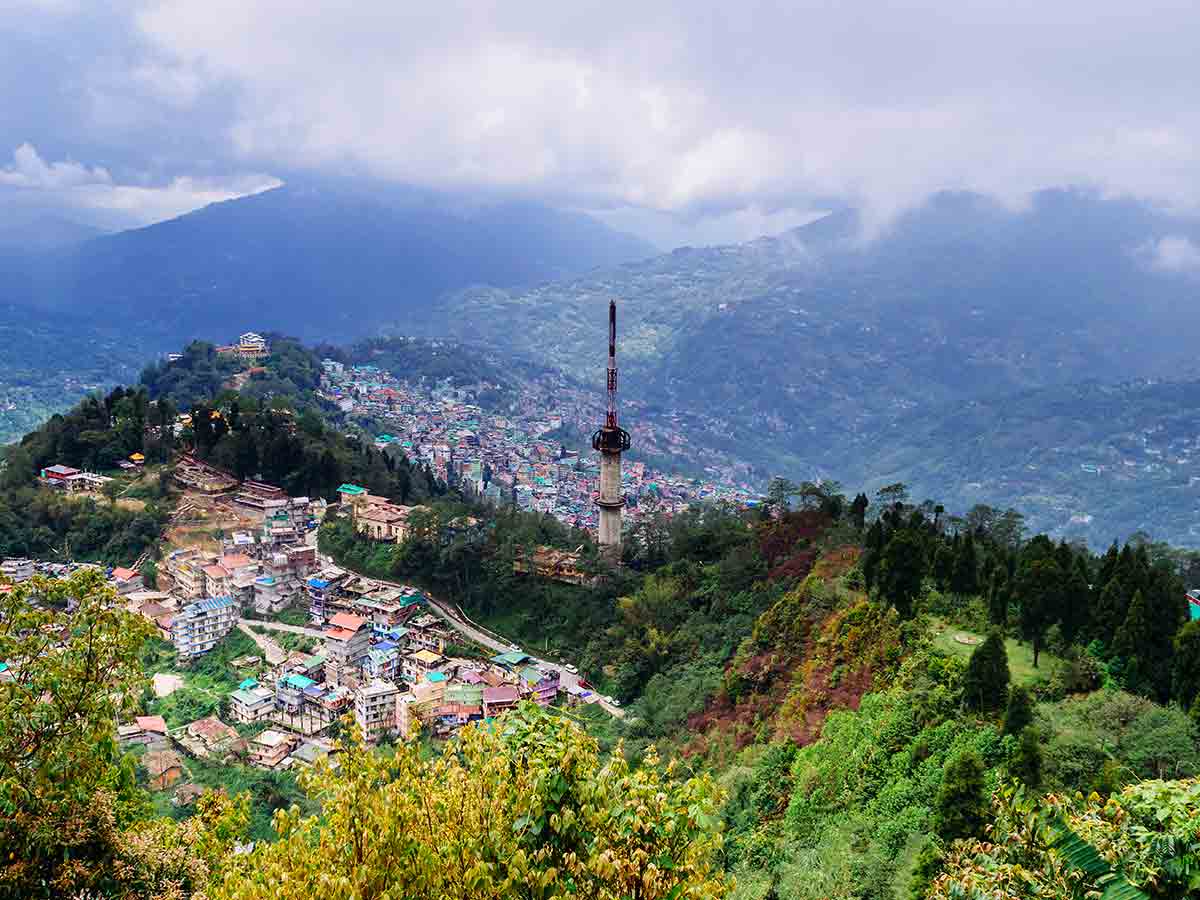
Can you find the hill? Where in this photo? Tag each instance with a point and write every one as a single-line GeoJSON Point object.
{"type": "Point", "coordinates": [1090, 461]}
{"type": "Point", "coordinates": [808, 353]}
{"type": "Point", "coordinates": [319, 260]}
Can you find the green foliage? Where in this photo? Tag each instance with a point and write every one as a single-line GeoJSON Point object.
{"type": "Point", "coordinates": [1019, 712]}
{"type": "Point", "coordinates": [1026, 762]}
{"type": "Point", "coordinates": [985, 685]}
{"type": "Point", "coordinates": [64, 789]}
{"type": "Point", "coordinates": [901, 571]}
{"type": "Point", "coordinates": [961, 805]}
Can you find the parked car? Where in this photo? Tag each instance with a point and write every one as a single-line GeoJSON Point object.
{"type": "Point", "coordinates": [572, 668]}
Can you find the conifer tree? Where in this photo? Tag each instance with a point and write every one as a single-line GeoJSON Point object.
{"type": "Point", "coordinates": [1026, 762]}
{"type": "Point", "coordinates": [1019, 713]}
{"type": "Point", "coordinates": [1133, 637]}
{"type": "Point", "coordinates": [998, 599]}
{"type": "Point", "coordinates": [943, 566]}
{"type": "Point", "coordinates": [1077, 602]}
{"type": "Point", "coordinates": [1039, 589]}
{"type": "Point", "coordinates": [961, 806]}
{"type": "Point", "coordinates": [985, 684]}
{"type": "Point", "coordinates": [1110, 611]}
{"type": "Point", "coordinates": [902, 570]}
{"type": "Point", "coordinates": [1185, 682]}
{"type": "Point", "coordinates": [965, 579]}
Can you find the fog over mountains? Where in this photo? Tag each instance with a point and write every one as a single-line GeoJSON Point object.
{"type": "Point", "coordinates": [817, 353]}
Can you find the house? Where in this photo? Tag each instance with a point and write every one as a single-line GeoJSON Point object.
{"type": "Point", "coordinates": [539, 685]}
{"type": "Point", "coordinates": [150, 731]}
{"type": "Point", "coordinates": [375, 709]}
{"type": "Point", "coordinates": [187, 794]}
{"type": "Point", "coordinates": [56, 476]}
{"type": "Point", "coordinates": [126, 581]}
{"type": "Point", "coordinates": [212, 733]}
{"type": "Point", "coordinates": [382, 662]}
{"type": "Point", "coordinates": [498, 699]}
{"type": "Point", "coordinates": [417, 665]}
{"type": "Point", "coordinates": [290, 691]}
{"type": "Point", "coordinates": [17, 569]}
{"type": "Point", "coordinates": [270, 748]}
{"type": "Point", "coordinates": [165, 767]}
{"type": "Point", "coordinates": [347, 639]}
{"type": "Point", "coordinates": [86, 483]}
{"type": "Point", "coordinates": [251, 702]}
{"type": "Point", "coordinates": [198, 627]}
{"type": "Point", "coordinates": [548, 562]}
{"type": "Point", "coordinates": [308, 754]}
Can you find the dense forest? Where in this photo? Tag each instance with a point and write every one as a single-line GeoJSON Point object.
{"type": "Point", "coordinates": [807, 653]}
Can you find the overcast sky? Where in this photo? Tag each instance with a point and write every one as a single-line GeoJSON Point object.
{"type": "Point", "coordinates": [678, 119]}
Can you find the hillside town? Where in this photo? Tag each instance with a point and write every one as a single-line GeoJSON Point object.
{"type": "Point", "coordinates": [377, 652]}
{"type": "Point", "coordinates": [520, 456]}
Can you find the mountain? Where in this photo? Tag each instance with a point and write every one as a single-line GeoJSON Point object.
{"type": "Point", "coordinates": [1090, 461]}
{"type": "Point", "coordinates": [314, 259]}
{"type": "Point", "coordinates": [814, 352]}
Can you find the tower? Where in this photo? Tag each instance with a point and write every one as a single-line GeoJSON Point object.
{"type": "Point", "coordinates": [610, 441]}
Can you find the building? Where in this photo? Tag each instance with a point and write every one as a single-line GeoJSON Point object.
{"type": "Point", "coordinates": [56, 476]}
{"type": "Point", "coordinates": [416, 666]}
{"type": "Point", "coordinates": [498, 699]}
{"type": "Point", "coordinates": [549, 562]}
{"type": "Point", "coordinates": [290, 691]}
{"type": "Point", "coordinates": [17, 569]}
{"type": "Point", "coordinates": [198, 627]}
{"type": "Point", "coordinates": [251, 702]}
{"type": "Point", "coordinates": [347, 639]}
{"type": "Point", "coordinates": [375, 709]}
{"type": "Point", "coordinates": [212, 734]}
{"type": "Point", "coordinates": [165, 767]}
{"type": "Point", "coordinates": [126, 581]}
{"type": "Point", "coordinates": [271, 748]}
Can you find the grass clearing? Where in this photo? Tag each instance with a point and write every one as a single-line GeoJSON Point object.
{"type": "Point", "coordinates": [1020, 655]}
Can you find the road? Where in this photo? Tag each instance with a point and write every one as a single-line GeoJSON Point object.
{"type": "Point", "coordinates": [457, 619]}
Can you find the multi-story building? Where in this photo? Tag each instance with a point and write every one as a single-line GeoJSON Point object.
{"type": "Point", "coordinates": [186, 568]}
{"type": "Point", "coordinates": [198, 626]}
{"type": "Point", "coordinates": [347, 640]}
{"type": "Point", "coordinates": [251, 702]}
{"type": "Point", "coordinates": [375, 709]}
{"type": "Point", "coordinates": [417, 665]}
{"type": "Point", "coordinates": [17, 569]}
{"type": "Point", "coordinates": [271, 747]}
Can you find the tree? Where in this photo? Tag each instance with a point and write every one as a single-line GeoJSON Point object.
{"type": "Point", "coordinates": [998, 599]}
{"type": "Point", "coordinates": [63, 786]}
{"type": "Point", "coordinates": [985, 683]}
{"type": "Point", "coordinates": [965, 577]}
{"type": "Point", "coordinates": [960, 809]}
{"type": "Point", "coordinates": [1019, 712]}
{"type": "Point", "coordinates": [1185, 682]}
{"type": "Point", "coordinates": [1039, 590]}
{"type": "Point", "coordinates": [1077, 603]}
{"type": "Point", "coordinates": [524, 809]}
{"type": "Point", "coordinates": [902, 571]}
{"type": "Point", "coordinates": [858, 510]}
{"type": "Point", "coordinates": [1026, 762]}
{"type": "Point", "coordinates": [1132, 641]}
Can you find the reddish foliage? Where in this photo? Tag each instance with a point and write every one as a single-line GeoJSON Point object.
{"type": "Point", "coordinates": [778, 538]}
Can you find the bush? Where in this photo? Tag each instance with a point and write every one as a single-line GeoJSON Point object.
{"type": "Point", "coordinates": [962, 801]}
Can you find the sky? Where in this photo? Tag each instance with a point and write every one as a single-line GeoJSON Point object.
{"type": "Point", "coordinates": [687, 122]}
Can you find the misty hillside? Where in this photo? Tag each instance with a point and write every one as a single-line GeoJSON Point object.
{"type": "Point", "coordinates": [815, 341]}
{"type": "Point", "coordinates": [319, 260]}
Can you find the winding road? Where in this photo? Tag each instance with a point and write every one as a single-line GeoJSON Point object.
{"type": "Point", "coordinates": [458, 620]}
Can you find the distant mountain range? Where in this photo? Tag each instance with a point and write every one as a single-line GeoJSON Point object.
{"type": "Point", "coordinates": [979, 353]}
{"type": "Point", "coordinates": [319, 260]}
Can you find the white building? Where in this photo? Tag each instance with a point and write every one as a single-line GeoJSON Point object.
{"type": "Point", "coordinates": [198, 626]}
{"type": "Point", "coordinates": [375, 709]}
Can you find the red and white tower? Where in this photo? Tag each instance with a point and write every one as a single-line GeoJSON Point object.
{"type": "Point", "coordinates": [611, 440]}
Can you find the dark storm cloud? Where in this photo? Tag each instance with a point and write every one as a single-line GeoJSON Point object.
{"type": "Point", "coordinates": [755, 111]}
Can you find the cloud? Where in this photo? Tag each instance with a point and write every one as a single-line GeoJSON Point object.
{"type": "Point", "coordinates": [95, 198]}
{"type": "Point", "coordinates": [689, 109]}
{"type": "Point", "coordinates": [1174, 253]}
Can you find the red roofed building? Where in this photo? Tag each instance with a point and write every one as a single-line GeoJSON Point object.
{"type": "Point", "coordinates": [497, 699]}
{"type": "Point", "coordinates": [347, 640]}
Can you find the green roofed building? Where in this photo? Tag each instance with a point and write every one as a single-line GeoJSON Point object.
{"type": "Point", "coordinates": [511, 659]}
{"type": "Point", "coordinates": [351, 490]}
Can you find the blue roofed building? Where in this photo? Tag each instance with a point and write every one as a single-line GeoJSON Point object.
{"type": "Point", "coordinates": [198, 627]}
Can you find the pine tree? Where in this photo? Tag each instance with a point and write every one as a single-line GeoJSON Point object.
{"type": "Point", "coordinates": [965, 579]}
{"type": "Point", "coordinates": [998, 599]}
{"type": "Point", "coordinates": [1039, 588]}
{"type": "Point", "coordinates": [1026, 762]}
{"type": "Point", "coordinates": [961, 806]}
{"type": "Point", "coordinates": [1077, 602]}
{"type": "Point", "coordinates": [985, 684]}
{"type": "Point", "coordinates": [901, 571]}
{"type": "Point", "coordinates": [1019, 713]}
{"type": "Point", "coordinates": [943, 566]}
{"type": "Point", "coordinates": [1133, 637]}
{"type": "Point", "coordinates": [1111, 609]}
{"type": "Point", "coordinates": [1185, 683]}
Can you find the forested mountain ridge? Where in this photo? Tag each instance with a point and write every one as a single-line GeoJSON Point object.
{"type": "Point", "coordinates": [322, 260]}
